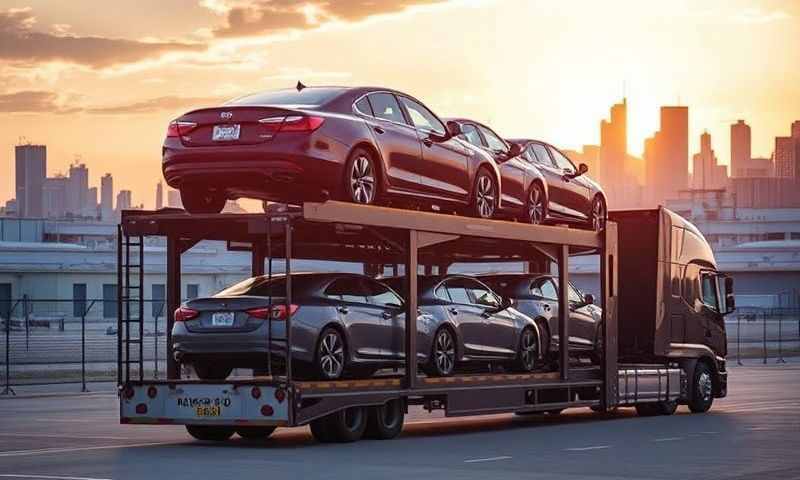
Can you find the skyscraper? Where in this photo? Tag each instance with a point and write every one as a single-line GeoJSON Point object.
{"type": "Point", "coordinates": [77, 189]}
{"type": "Point", "coordinates": [107, 197]}
{"type": "Point", "coordinates": [31, 170]}
{"type": "Point", "coordinates": [90, 208]}
{"type": "Point", "coordinates": [124, 200]}
{"type": "Point", "coordinates": [55, 197]}
{"type": "Point", "coordinates": [707, 174]}
{"type": "Point", "coordinates": [673, 143]}
{"type": "Point", "coordinates": [785, 161]}
{"type": "Point", "coordinates": [740, 148]}
{"type": "Point", "coordinates": [613, 152]}
{"type": "Point", "coordinates": [159, 196]}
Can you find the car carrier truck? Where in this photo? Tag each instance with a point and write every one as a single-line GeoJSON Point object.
{"type": "Point", "coordinates": [662, 298]}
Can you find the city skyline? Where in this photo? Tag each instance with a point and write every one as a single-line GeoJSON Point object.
{"type": "Point", "coordinates": [106, 90]}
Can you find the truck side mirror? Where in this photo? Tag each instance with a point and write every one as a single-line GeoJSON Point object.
{"type": "Point", "coordinates": [730, 300]}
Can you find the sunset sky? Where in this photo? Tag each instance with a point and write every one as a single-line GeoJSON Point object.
{"type": "Point", "coordinates": [102, 79]}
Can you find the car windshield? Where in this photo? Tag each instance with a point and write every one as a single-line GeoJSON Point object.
{"type": "Point", "coordinates": [308, 97]}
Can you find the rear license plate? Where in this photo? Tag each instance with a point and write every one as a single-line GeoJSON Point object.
{"type": "Point", "coordinates": [222, 319]}
{"type": "Point", "coordinates": [225, 133]}
{"type": "Point", "coordinates": [208, 411]}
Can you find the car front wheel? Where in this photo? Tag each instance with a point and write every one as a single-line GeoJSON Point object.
{"type": "Point", "coordinates": [599, 214]}
{"type": "Point", "coordinates": [442, 360]}
{"type": "Point", "coordinates": [528, 351]}
{"type": "Point", "coordinates": [536, 207]}
{"type": "Point", "coordinates": [484, 202]}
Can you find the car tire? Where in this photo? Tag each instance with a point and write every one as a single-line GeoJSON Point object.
{"type": "Point", "coordinates": [527, 351]}
{"type": "Point", "coordinates": [361, 178]}
{"type": "Point", "coordinates": [210, 432]}
{"type": "Point", "coordinates": [202, 201]}
{"type": "Point", "coordinates": [254, 433]}
{"type": "Point", "coordinates": [385, 421]}
{"type": "Point", "coordinates": [535, 205]}
{"type": "Point", "coordinates": [207, 371]}
{"type": "Point", "coordinates": [484, 195]}
{"type": "Point", "coordinates": [442, 360]}
{"type": "Point", "coordinates": [345, 426]}
{"type": "Point", "coordinates": [599, 214]}
{"type": "Point", "coordinates": [331, 355]}
{"type": "Point", "coordinates": [702, 388]}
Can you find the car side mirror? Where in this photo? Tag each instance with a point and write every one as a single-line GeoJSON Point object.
{"type": "Point", "coordinates": [515, 150]}
{"type": "Point", "coordinates": [589, 299]}
{"type": "Point", "coordinates": [453, 129]}
{"type": "Point", "coordinates": [582, 169]}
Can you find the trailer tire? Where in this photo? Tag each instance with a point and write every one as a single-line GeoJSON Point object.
{"type": "Point", "coordinates": [702, 388]}
{"type": "Point", "coordinates": [385, 421]}
{"type": "Point", "coordinates": [346, 425]}
{"type": "Point", "coordinates": [210, 432]}
{"type": "Point", "coordinates": [320, 431]}
{"type": "Point", "coordinates": [254, 433]}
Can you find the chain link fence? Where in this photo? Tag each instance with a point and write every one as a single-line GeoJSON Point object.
{"type": "Point", "coordinates": [75, 341]}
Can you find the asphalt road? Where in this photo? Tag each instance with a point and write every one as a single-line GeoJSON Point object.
{"type": "Point", "coordinates": [754, 433]}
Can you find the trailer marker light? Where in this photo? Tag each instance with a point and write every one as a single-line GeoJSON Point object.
{"type": "Point", "coordinates": [255, 393]}
{"type": "Point", "coordinates": [280, 395]}
{"type": "Point", "coordinates": [128, 392]}
{"type": "Point", "coordinates": [267, 411]}
{"type": "Point", "coordinates": [141, 409]}
{"type": "Point", "coordinates": [152, 391]}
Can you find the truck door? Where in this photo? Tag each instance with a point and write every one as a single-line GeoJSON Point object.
{"type": "Point", "coordinates": [712, 313]}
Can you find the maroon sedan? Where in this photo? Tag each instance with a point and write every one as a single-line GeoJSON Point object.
{"type": "Point", "coordinates": [364, 145]}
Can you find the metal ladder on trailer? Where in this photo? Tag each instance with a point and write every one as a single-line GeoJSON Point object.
{"type": "Point", "coordinates": [130, 306]}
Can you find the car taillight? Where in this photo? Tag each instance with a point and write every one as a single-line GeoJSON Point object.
{"type": "Point", "coordinates": [277, 312]}
{"type": "Point", "coordinates": [292, 123]}
{"type": "Point", "coordinates": [176, 128]}
{"type": "Point", "coordinates": [183, 313]}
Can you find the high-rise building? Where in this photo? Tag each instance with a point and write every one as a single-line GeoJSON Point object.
{"type": "Point", "coordinates": [159, 196]}
{"type": "Point", "coordinates": [740, 148]}
{"type": "Point", "coordinates": [707, 174]}
{"type": "Point", "coordinates": [107, 197]}
{"type": "Point", "coordinates": [77, 189]}
{"type": "Point", "coordinates": [651, 161]}
{"type": "Point", "coordinates": [55, 197]}
{"type": "Point", "coordinates": [796, 129]}
{"type": "Point", "coordinates": [673, 146]}
{"type": "Point", "coordinates": [785, 157]}
{"type": "Point", "coordinates": [31, 170]}
{"type": "Point", "coordinates": [124, 200]}
{"type": "Point", "coordinates": [174, 199]}
{"type": "Point", "coordinates": [612, 172]}
{"type": "Point", "coordinates": [90, 209]}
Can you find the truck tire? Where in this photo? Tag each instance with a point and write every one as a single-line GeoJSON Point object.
{"type": "Point", "coordinates": [319, 429]}
{"type": "Point", "coordinates": [702, 388]}
{"type": "Point", "coordinates": [344, 426]}
{"type": "Point", "coordinates": [254, 433]}
{"type": "Point", "coordinates": [210, 432]}
{"type": "Point", "coordinates": [385, 421]}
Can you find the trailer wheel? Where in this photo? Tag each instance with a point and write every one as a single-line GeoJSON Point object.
{"type": "Point", "coordinates": [344, 426]}
{"type": "Point", "coordinates": [702, 388]}
{"type": "Point", "coordinates": [210, 432]}
{"type": "Point", "coordinates": [385, 421]}
{"type": "Point", "coordinates": [319, 428]}
{"type": "Point", "coordinates": [254, 433]}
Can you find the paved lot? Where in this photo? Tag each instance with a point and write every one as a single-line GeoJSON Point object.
{"type": "Point", "coordinates": [754, 433]}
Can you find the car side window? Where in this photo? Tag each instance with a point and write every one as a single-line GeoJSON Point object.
{"type": "Point", "coordinates": [380, 294]}
{"type": "Point", "coordinates": [494, 142]}
{"type": "Point", "coordinates": [574, 295]}
{"type": "Point", "coordinates": [364, 107]}
{"type": "Point", "coordinates": [385, 107]}
{"type": "Point", "coordinates": [441, 293]}
{"type": "Point", "coordinates": [562, 162]}
{"type": "Point", "coordinates": [458, 294]}
{"type": "Point", "coordinates": [347, 290]}
{"type": "Point", "coordinates": [422, 118]}
{"type": "Point", "coordinates": [469, 132]}
{"type": "Point", "coordinates": [708, 289]}
{"type": "Point", "coordinates": [540, 155]}
{"type": "Point", "coordinates": [483, 296]}
{"type": "Point", "coordinates": [548, 289]}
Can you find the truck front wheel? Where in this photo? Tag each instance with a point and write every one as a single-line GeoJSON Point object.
{"type": "Point", "coordinates": [702, 388]}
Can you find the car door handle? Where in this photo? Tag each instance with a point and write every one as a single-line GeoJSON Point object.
{"type": "Point", "coordinates": [386, 315]}
{"type": "Point", "coordinates": [428, 142]}
{"type": "Point", "coordinates": [343, 309]}
{"type": "Point", "coordinates": [379, 130]}
{"type": "Point", "coordinates": [486, 315]}
{"type": "Point", "coordinates": [453, 311]}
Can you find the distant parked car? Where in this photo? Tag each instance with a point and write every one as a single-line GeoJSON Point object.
{"type": "Point", "coordinates": [362, 144]}
{"type": "Point", "coordinates": [474, 324]}
{"type": "Point", "coordinates": [536, 295]}
{"type": "Point", "coordinates": [539, 183]}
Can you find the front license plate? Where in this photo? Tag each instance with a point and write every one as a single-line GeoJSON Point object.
{"type": "Point", "coordinates": [208, 411]}
{"type": "Point", "coordinates": [222, 319]}
{"type": "Point", "coordinates": [225, 133]}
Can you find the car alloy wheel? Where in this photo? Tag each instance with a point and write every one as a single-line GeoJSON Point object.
{"type": "Point", "coordinates": [362, 180]}
{"type": "Point", "coordinates": [485, 196]}
{"type": "Point", "coordinates": [330, 354]}
{"type": "Point", "coordinates": [598, 214]}
{"type": "Point", "coordinates": [528, 350]}
{"type": "Point", "coordinates": [536, 205]}
{"type": "Point", "coordinates": [444, 352]}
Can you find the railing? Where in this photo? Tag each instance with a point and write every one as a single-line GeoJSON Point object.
{"type": "Point", "coordinates": [74, 341]}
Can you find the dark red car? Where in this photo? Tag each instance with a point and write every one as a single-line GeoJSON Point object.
{"type": "Point", "coordinates": [365, 145]}
{"type": "Point", "coordinates": [540, 184]}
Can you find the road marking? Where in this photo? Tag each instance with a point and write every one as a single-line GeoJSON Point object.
{"type": "Point", "coordinates": [23, 453]}
{"type": "Point", "coordinates": [48, 477]}
{"type": "Point", "coordinates": [75, 420]}
{"type": "Point", "coordinates": [66, 435]}
{"type": "Point", "coordinates": [764, 409]}
{"type": "Point", "coordinates": [583, 449]}
{"type": "Point", "coordinates": [668, 439]}
{"type": "Point", "coordinates": [489, 459]}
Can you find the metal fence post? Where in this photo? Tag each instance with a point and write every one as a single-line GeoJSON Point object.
{"type": "Point", "coordinates": [8, 390]}
{"type": "Point", "coordinates": [83, 351]}
{"type": "Point", "coordinates": [780, 339]}
{"type": "Point", "coordinates": [739, 339]}
{"type": "Point", "coordinates": [764, 335]}
{"type": "Point", "coordinates": [26, 312]}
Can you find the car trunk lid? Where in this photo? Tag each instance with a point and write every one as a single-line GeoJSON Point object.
{"type": "Point", "coordinates": [228, 314]}
{"type": "Point", "coordinates": [232, 125]}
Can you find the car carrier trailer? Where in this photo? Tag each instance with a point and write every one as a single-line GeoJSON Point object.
{"type": "Point", "coordinates": [654, 381]}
